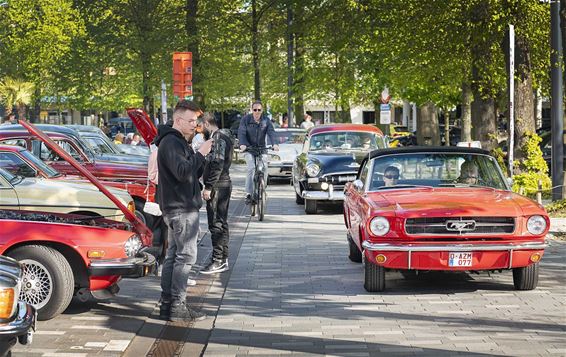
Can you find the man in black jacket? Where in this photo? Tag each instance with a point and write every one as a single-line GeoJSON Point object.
{"type": "Point", "coordinates": [179, 169]}
{"type": "Point", "coordinates": [217, 191]}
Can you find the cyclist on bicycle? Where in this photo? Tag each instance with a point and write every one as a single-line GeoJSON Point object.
{"type": "Point", "coordinates": [251, 133]}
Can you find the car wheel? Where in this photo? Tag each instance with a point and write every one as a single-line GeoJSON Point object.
{"type": "Point", "coordinates": [374, 276]}
{"type": "Point", "coordinates": [310, 206]}
{"type": "Point", "coordinates": [355, 254]}
{"type": "Point", "coordinates": [47, 279]}
{"type": "Point", "coordinates": [299, 200]}
{"type": "Point", "coordinates": [526, 278]}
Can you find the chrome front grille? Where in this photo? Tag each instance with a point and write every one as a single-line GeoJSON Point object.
{"type": "Point", "coordinates": [459, 225]}
{"type": "Point", "coordinates": [340, 178]}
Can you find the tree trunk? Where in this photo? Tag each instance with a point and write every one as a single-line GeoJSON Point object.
{"type": "Point", "coordinates": [466, 112]}
{"type": "Point", "coordinates": [446, 127]}
{"type": "Point", "coordinates": [563, 27]}
{"type": "Point", "coordinates": [484, 122]}
{"type": "Point", "coordinates": [255, 51]}
{"type": "Point", "coordinates": [34, 115]}
{"type": "Point", "coordinates": [299, 76]}
{"type": "Point", "coordinates": [524, 116]}
{"type": "Point", "coordinates": [191, 28]}
{"type": "Point", "coordinates": [427, 127]}
{"type": "Point", "coordinates": [145, 59]}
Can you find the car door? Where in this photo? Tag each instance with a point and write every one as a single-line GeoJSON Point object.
{"type": "Point", "coordinates": [356, 204]}
{"type": "Point", "coordinates": [8, 196]}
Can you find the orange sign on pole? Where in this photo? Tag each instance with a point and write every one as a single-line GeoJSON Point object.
{"type": "Point", "coordinates": [183, 74]}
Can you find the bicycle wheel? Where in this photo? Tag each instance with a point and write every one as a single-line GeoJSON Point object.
{"type": "Point", "coordinates": [262, 200]}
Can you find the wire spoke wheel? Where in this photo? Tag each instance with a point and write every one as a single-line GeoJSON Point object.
{"type": "Point", "coordinates": [37, 284]}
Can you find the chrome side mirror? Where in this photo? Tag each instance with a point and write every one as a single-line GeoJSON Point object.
{"type": "Point", "coordinates": [358, 185]}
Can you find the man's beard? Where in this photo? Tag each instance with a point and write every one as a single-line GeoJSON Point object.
{"type": "Point", "coordinates": [206, 134]}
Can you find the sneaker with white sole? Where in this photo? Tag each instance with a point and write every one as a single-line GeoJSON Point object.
{"type": "Point", "coordinates": [216, 266]}
{"type": "Point", "coordinates": [191, 282]}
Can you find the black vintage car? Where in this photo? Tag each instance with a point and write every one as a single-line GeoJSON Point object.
{"type": "Point", "coordinates": [331, 157]}
{"type": "Point", "coordinates": [17, 318]}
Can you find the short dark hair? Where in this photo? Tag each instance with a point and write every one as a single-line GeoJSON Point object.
{"type": "Point", "coordinates": [184, 105]}
{"type": "Point", "coordinates": [257, 102]}
{"type": "Point", "coordinates": [209, 118]}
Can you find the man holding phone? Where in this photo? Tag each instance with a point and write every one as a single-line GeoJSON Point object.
{"type": "Point", "coordinates": [179, 169]}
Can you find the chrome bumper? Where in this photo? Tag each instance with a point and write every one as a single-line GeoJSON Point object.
{"type": "Point", "coordinates": [410, 248]}
{"type": "Point", "coordinates": [141, 265]}
{"type": "Point", "coordinates": [22, 325]}
{"type": "Point", "coordinates": [329, 195]}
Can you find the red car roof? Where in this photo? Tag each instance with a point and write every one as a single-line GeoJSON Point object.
{"type": "Point", "coordinates": [14, 148]}
{"type": "Point", "coordinates": [344, 127]}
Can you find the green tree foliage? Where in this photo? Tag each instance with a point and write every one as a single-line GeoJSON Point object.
{"type": "Point", "coordinates": [18, 93]}
{"type": "Point", "coordinates": [533, 168]}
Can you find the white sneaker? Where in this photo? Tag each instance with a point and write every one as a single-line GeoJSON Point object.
{"type": "Point", "coordinates": [191, 282]}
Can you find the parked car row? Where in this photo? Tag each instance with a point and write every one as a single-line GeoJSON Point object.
{"type": "Point", "coordinates": [72, 234]}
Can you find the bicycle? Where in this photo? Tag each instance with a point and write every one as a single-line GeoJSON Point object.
{"type": "Point", "coordinates": [258, 199]}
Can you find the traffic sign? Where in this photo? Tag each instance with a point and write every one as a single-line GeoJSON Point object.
{"type": "Point", "coordinates": [385, 114]}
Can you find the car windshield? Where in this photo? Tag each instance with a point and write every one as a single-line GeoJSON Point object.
{"type": "Point", "coordinates": [99, 145]}
{"type": "Point", "coordinates": [435, 170]}
{"type": "Point", "coordinates": [288, 137]}
{"type": "Point", "coordinates": [48, 170]}
{"type": "Point", "coordinates": [345, 140]}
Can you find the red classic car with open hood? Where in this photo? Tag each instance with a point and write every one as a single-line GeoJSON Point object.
{"type": "Point", "coordinates": [129, 176]}
{"type": "Point", "coordinates": [65, 255]}
{"type": "Point", "coordinates": [449, 208]}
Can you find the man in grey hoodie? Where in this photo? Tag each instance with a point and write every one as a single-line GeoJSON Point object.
{"type": "Point", "coordinates": [179, 191]}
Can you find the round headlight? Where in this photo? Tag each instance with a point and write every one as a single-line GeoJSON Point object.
{"type": "Point", "coordinates": [313, 170]}
{"type": "Point", "coordinates": [379, 226]}
{"type": "Point", "coordinates": [273, 157]}
{"type": "Point", "coordinates": [133, 245]}
{"type": "Point", "coordinates": [536, 225]}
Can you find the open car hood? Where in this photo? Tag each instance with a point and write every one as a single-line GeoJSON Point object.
{"type": "Point", "coordinates": [143, 123]}
{"type": "Point", "coordinates": [138, 225]}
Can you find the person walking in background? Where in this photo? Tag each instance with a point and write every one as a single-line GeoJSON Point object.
{"type": "Point", "coordinates": [307, 123]}
{"type": "Point", "coordinates": [252, 132]}
{"type": "Point", "coordinates": [179, 169]}
{"type": "Point", "coordinates": [217, 191]}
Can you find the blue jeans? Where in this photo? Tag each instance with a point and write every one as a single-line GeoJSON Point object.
{"type": "Point", "coordinates": [183, 230]}
{"type": "Point", "coordinates": [250, 163]}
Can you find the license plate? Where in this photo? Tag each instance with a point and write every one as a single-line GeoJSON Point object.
{"type": "Point", "coordinates": [460, 259]}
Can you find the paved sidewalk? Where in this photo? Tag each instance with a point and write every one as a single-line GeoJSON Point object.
{"type": "Point", "coordinates": [558, 225]}
{"type": "Point", "coordinates": [294, 291]}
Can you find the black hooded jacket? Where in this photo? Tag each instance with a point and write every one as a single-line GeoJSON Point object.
{"type": "Point", "coordinates": [179, 170]}
{"type": "Point", "coordinates": [217, 169]}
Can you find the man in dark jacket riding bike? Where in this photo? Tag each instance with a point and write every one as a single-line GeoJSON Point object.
{"type": "Point", "coordinates": [253, 129]}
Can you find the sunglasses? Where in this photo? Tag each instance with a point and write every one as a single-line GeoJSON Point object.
{"type": "Point", "coordinates": [256, 110]}
{"type": "Point", "coordinates": [391, 177]}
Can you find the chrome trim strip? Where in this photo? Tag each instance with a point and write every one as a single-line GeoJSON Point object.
{"type": "Point", "coordinates": [324, 195]}
{"type": "Point", "coordinates": [451, 247]}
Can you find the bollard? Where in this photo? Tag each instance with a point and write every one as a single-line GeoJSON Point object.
{"type": "Point", "coordinates": [539, 192]}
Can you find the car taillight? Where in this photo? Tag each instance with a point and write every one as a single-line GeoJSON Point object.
{"type": "Point", "coordinates": [7, 302]}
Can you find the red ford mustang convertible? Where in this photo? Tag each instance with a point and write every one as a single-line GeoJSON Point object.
{"type": "Point", "coordinates": [417, 209]}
